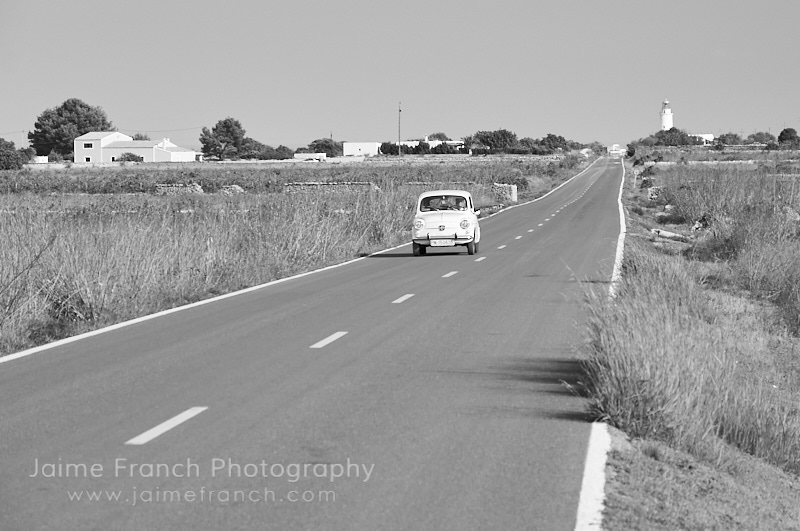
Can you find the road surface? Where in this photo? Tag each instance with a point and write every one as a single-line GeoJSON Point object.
{"type": "Point", "coordinates": [394, 392]}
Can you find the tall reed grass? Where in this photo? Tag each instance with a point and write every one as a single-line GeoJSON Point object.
{"type": "Point", "coordinates": [73, 264]}
{"type": "Point", "coordinates": [754, 223]}
{"type": "Point", "coordinates": [663, 362]}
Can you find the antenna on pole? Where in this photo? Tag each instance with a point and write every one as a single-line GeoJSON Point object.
{"type": "Point", "coordinates": [399, 113]}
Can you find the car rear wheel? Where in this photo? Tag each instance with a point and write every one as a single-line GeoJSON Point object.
{"type": "Point", "coordinates": [418, 249]}
{"type": "Point", "coordinates": [471, 248]}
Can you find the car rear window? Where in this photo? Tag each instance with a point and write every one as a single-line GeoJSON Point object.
{"type": "Point", "coordinates": [443, 202]}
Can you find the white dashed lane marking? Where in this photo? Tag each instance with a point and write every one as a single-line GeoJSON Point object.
{"type": "Point", "coordinates": [518, 238]}
{"type": "Point", "coordinates": [165, 426]}
{"type": "Point", "coordinates": [450, 274]}
{"type": "Point", "coordinates": [502, 247]}
{"type": "Point", "coordinates": [330, 339]}
{"type": "Point", "coordinates": [480, 259]}
{"type": "Point", "coordinates": [403, 298]}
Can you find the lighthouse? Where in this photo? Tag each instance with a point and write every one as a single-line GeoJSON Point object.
{"type": "Point", "coordinates": [666, 116]}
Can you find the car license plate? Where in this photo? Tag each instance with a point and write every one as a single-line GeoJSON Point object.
{"type": "Point", "coordinates": [442, 243]}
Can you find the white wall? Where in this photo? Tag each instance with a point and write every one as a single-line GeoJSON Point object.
{"type": "Point", "coordinates": [368, 149]}
{"type": "Point", "coordinates": [96, 152]}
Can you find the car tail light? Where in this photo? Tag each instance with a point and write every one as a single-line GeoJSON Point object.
{"type": "Point", "coordinates": [419, 224]}
{"type": "Point", "coordinates": [464, 224]}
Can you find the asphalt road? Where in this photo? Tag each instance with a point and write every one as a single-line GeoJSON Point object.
{"type": "Point", "coordinates": [394, 392]}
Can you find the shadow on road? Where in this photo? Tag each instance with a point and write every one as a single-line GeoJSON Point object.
{"type": "Point", "coordinates": [408, 254]}
{"type": "Point", "coordinates": [544, 382]}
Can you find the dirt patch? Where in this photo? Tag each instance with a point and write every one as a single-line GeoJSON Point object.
{"type": "Point", "coordinates": [651, 486]}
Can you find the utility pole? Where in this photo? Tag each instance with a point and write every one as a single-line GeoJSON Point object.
{"type": "Point", "coordinates": [399, 113]}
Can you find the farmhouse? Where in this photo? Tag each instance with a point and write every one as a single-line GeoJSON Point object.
{"type": "Point", "coordinates": [367, 149]}
{"type": "Point", "coordinates": [108, 146]}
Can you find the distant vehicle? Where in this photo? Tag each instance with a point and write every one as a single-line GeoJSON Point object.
{"type": "Point", "coordinates": [445, 218]}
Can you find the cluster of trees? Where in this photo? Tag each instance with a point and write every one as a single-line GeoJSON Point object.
{"type": "Point", "coordinates": [422, 148]}
{"type": "Point", "coordinates": [505, 141]}
{"type": "Point", "coordinates": [787, 139]}
{"type": "Point", "coordinates": [494, 142]}
{"type": "Point", "coordinates": [228, 140]}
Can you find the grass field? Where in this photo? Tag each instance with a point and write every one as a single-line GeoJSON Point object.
{"type": "Point", "coordinates": [88, 247]}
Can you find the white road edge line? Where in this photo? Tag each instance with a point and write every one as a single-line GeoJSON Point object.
{"type": "Point", "coordinates": [616, 273]}
{"type": "Point", "coordinates": [450, 274]}
{"type": "Point", "coordinates": [79, 337]}
{"type": "Point", "coordinates": [590, 505]}
{"type": "Point", "coordinates": [330, 339]}
{"type": "Point", "coordinates": [164, 427]}
{"type": "Point", "coordinates": [403, 298]}
{"type": "Point", "coordinates": [592, 497]}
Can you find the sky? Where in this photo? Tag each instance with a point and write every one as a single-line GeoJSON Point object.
{"type": "Point", "coordinates": [295, 71]}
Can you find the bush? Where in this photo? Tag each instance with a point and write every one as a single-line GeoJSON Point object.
{"type": "Point", "coordinates": [130, 157]}
{"type": "Point", "coordinates": [10, 158]}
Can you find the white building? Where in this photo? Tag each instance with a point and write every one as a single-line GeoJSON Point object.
{"type": "Point", "coordinates": [706, 138]}
{"type": "Point", "coordinates": [666, 116]}
{"type": "Point", "coordinates": [433, 143]}
{"type": "Point", "coordinates": [109, 146]}
{"type": "Point", "coordinates": [367, 149]}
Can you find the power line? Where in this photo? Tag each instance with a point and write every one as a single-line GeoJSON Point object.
{"type": "Point", "coordinates": [163, 130]}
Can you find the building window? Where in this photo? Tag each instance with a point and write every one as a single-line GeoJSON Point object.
{"type": "Point", "coordinates": [87, 145]}
{"type": "Point", "coordinates": [87, 159]}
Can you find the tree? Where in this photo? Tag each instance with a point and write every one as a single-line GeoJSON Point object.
{"type": "Point", "coordinates": [283, 152]}
{"type": "Point", "coordinates": [141, 136]}
{"type": "Point", "coordinates": [10, 158]}
{"type": "Point", "coordinates": [328, 146]}
{"type": "Point", "coordinates": [675, 137]}
{"type": "Point", "coordinates": [788, 138]}
{"type": "Point", "coordinates": [553, 142]}
{"type": "Point", "coordinates": [444, 149]}
{"type": "Point", "coordinates": [253, 149]}
{"type": "Point", "coordinates": [438, 136]}
{"type": "Point", "coordinates": [225, 140]}
{"type": "Point", "coordinates": [729, 139]}
{"type": "Point", "coordinates": [423, 148]}
{"type": "Point", "coordinates": [388, 148]}
{"type": "Point", "coordinates": [57, 128]}
{"type": "Point", "coordinates": [761, 137]}
{"type": "Point", "coordinates": [498, 140]}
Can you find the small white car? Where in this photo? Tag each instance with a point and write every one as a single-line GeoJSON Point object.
{"type": "Point", "coordinates": [445, 218]}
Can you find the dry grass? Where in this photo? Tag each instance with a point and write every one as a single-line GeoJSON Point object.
{"type": "Point", "coordinates": [670, 361]}
{"type": "Point", "coordinates": [698, 356]}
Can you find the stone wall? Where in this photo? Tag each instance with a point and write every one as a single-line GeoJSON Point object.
{"type": "Point", "coordinates": [504, 192]}
{"type": "Point", "coordinates": [330, 187]}
{"type": "Point", "coordinates": [178, 189]}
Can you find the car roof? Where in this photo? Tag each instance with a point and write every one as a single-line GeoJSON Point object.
{"type": "Point", "coordinates": [444, 192]}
